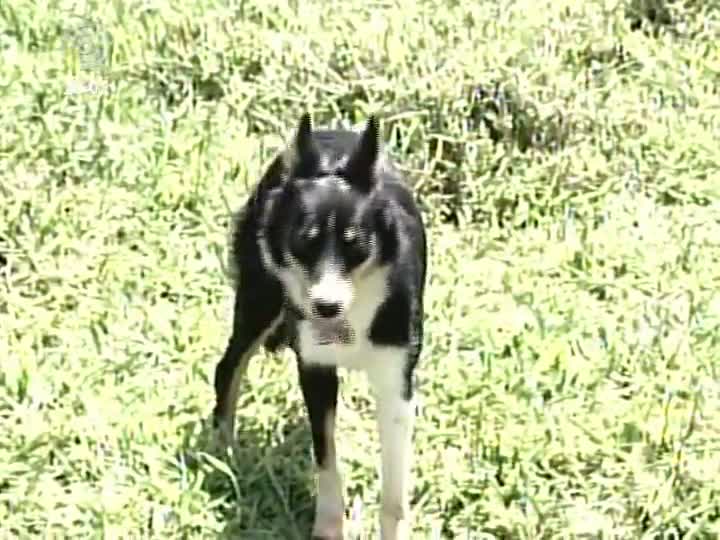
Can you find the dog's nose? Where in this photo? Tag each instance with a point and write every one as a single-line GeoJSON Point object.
{"type": "Point", "coordinates": [326, 309]}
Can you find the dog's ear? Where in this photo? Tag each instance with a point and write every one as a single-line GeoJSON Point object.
{"type": "Point", "coordinates": [360, 170]}
{"type": "Point", "coordinates": [302, 157]}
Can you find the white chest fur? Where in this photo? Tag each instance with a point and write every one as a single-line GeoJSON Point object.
{"type": "Point", "coordinates": [361, 354]}
{"type": "Point", "coordinates": [369, 295]}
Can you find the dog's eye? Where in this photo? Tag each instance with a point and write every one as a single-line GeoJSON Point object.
{"type": "Point", "coordinates": [356, 247]}
{"type": "Point", "coordinates": [304, 240]}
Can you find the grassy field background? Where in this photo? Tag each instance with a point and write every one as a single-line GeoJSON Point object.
{"type": "Point", "coordinates": [566, 156]}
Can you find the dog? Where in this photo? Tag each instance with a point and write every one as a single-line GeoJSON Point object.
{"type": "Point", "coordinates": [329, 257]}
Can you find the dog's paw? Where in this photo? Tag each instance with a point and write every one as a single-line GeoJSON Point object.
{"type": "Point", "coordinates": [217, 437]}
{"type": "Point", "coordinates": [203, 433]}
{"type": "Point", "coordinates": [328, 536]}
{"type": "Point", "coordinates": [328, 528]}
{"type": "Point", "coordinates": [394, 526]}
{"type": "Point", "coordinates": [223, 436]}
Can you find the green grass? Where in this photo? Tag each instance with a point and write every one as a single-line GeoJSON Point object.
{"type": "Point", "coordinates": [570, 382]}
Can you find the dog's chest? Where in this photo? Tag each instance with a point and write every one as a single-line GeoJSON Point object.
{"type": "Point", "coordinates": [359, 352]}
{"type": "Point", "coordinates": [356, 355]}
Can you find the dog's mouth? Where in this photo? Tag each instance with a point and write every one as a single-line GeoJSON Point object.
{"type": "Point", "coordinates": [332, 331]}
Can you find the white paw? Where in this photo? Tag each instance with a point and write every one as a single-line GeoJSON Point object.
{"type": "Point", "coordinates": [329, 507]}
{"type": "Point", "coordinates": [223, 439]}
{"type": "Point", "coordinates": [394, 525]}
{"type": "Point", "coordinates": [328, 527]}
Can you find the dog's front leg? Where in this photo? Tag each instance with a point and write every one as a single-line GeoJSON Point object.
{"type": "Point", "coordinates": [320, 388]}
{"type": "Point", "coordinates": [396, 417]}
{"type": "Point", "coordinates": [256, 313]}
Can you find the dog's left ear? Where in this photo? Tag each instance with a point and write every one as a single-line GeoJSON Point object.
{"type": "Point", "coordinates": [360, 170]}
{"type": "Point", "coordinates": [302, 157]}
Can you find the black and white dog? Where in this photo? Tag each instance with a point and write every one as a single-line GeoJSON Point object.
{"type": "Point", "coordinates": [330, 260]}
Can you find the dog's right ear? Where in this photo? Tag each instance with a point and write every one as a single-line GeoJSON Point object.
{"type": "Point", "coordinates": [302, 157]}
{"type": "Point", "coordinates": [361, 168]}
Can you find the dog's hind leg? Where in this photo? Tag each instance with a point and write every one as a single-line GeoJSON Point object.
{"type": "Point", "coordinates": [320, 388]}
{"type": "Point", "coordinates": [256, 314]}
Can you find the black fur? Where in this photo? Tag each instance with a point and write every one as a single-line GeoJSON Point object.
{"type": "Point", "coordinates": [337, 173]}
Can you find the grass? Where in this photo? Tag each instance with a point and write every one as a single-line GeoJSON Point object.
{"type": "Point", "coordinates": [566, 157]}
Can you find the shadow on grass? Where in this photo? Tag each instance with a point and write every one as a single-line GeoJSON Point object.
{"type": "Point", "coordinates": [263, 489]}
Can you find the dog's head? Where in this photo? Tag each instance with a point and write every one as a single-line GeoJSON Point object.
{"type": "Point", "coordinates": [326, 231]}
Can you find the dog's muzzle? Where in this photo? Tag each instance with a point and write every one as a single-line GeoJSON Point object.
{"type": "Point", "coordinates": [326, 330]}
